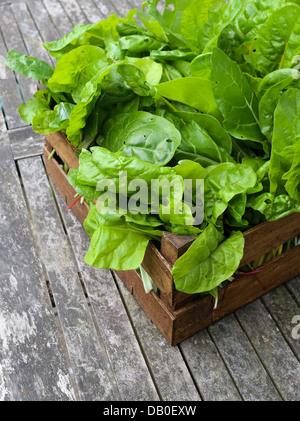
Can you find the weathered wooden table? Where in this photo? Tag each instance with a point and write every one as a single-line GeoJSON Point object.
{"type": "Point", "coordinates": [71, 332]}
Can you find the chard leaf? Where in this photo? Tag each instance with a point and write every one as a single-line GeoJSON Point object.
{"type": "Point", "coordinates": [32, 108]}
{"type": "Point", "coordinates": [52, 121]}
{"type": "Point", "coordinates": [115, 244]}
{"type": "Point", "coordinates": [195, 14]}
{"type": "Point", "coordinates": [193, 91]}
{"type": "Point", "coordinates": [196, 142]}
{"type": "Point", "coordinates": [222, 183]}
{"type": "Point", "coordinates": [76, 68]}
{"type": "Point", "coordinates": [277, 41]}
{"type": "Point", "coordinates": [235, 98]}
{"type": "Point", "coordinates": [285, 143]}
{"type": "Point", "coordinates": [103, 164]}
{"type": "Point", "coordinates": [220, 16]}
{"type": "Point", "coordinates": [208, 262]}
{"type": "Point", "coordinates": [30, 67]}
{"type": "Point", "coordinates": [269, 102]}
{"type": "Point", "coordinates": [273, 207]}
{"type": "Point", "coordinates": [58, 48]}
{"type": "Point", "coordinates": [143, 135]}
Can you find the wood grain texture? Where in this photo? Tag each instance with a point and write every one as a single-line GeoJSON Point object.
{"type": "Point", "coordinates": [94, 378]}
{"type": "Point", "coordinates": [91, 11]}
{"type": "Point", "coordinates": [271, 348]}
{"type": "Point", "coordinates": [29, 32]}
{"type": "Point", "coordinates": [73, 10]}
{"type": "Point", "coordinates": [63, 149]}
{"type": "Point", "coordinates": [245, 367]}
{"type": "Point", "coordinates": [43, 21]}
{"type": "Point", "coordinates": [166, 362]}
{"type": "Point", "coordinates": [25, 142]}
{"type": "Point", "coordinates": [58, 16]}
{"type": "Point", "coordinates": [32, 361]}
{"type": "Point", "coordinates": [13, 41]}
{"type": "Point", "coordinates": [153, 306]}
{"type": "Point", "coordinates": [10, 94]}
{"type": "Point", "coordinates": [209, 370]}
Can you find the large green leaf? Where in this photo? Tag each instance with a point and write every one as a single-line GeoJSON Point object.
{"type": "Point", "coordinates": [193, 91]}
{"type": "Point", "coordinates": [285, 143]}
{"type": "Point", "coordinates": [198, 145]}
{"type": "Point", "coordinates": [235, 98]}
{"type": "Point", "coordinates": [222, 183]}
{"type": "Point", "coordinates": [220, 16]}
{"type": "Point", "coordinates": [30, 67]}
{"type": "Point", "coordinates": [115, 244]}
{"type": "Point", "coordinates": [269, 101]}
{"type": "Point", "coordinates": [277, 41]}
{"type": "Point", "coordinates": [208, 262]}
{"type": "Point", "coordinates": [143, 135]}
{"type": "Point", "coordinates": [76, 68]}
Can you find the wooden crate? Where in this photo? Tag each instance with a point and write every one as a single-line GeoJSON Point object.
{"type": "Point", "coordinates": [178, 315]}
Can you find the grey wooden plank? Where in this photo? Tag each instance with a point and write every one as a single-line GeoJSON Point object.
{"type": "Point", "coordinates": [74, 12]}
{"type": "Point", "coordinates": [13, 41]}
{"type": "Point", "coordinates": [59, 17]}
{"type": "Point", "coordinates": [11, 100]}
{"type": "Point", "coordinates": [93, 375]}
{"type": "Point", "coordinates": [294, 287]}
{"type": "Point", "coordinates": [252, 380]}
{"type": "Point", "coordinates": [283, 308]}
{"type": "Point", "coordinates": [90, 10]}
{"type": "Point", "coordinates": [167, 364]}
{"type": "Point", "coordinates": [44, 23]}
{"type": "Point", "coordinates": [3, 128]}
{"type": "Point", "coordinates": [131, 372]}
{"type": "Point", "coordinates": [32, 361]}
{"type": "Point", "coordinates": [10, 94]}
{"type": "Point", "coordinates": [25, 142]}
{"type": "Point", "coordinates": [29, 31]}
{"type": "Point", "coordinates": [208, 368]}
{"type": "Point", "coordinates": [106, 7]}
{"type": "Point", "coordinates": [271, 348]}
{"type": "Point", "coordinates": [122, 7]}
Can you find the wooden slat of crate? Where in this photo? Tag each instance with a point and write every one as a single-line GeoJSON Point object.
{"type": "Point", "coordinates": [65, 189]}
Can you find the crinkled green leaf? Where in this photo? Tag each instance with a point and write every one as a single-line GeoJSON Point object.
{"type": "Point", "coordinates": [30, 67]}
{"type": "Point", "coordinates": [143, 135]}
{"type": "Point", "coordinates": [193, 91]}
{"type": "Point", "coordinates": [285, 139]}
{"type": "Point", "coordinates": [277, 41]}
{"type": "Point", "coordinates": [235, 98]}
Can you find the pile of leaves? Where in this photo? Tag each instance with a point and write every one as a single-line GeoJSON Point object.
{"type": "Point", "coordinates": [199, 89]}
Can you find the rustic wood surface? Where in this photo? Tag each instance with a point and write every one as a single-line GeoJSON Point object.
{"type": "Point", "coordinates": [71, 332]}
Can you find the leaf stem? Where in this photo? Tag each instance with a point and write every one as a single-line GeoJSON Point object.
{"type": "Point", "coordinates": [75, 201]}
{"type": "Point", "coordinates": [51, 154]}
